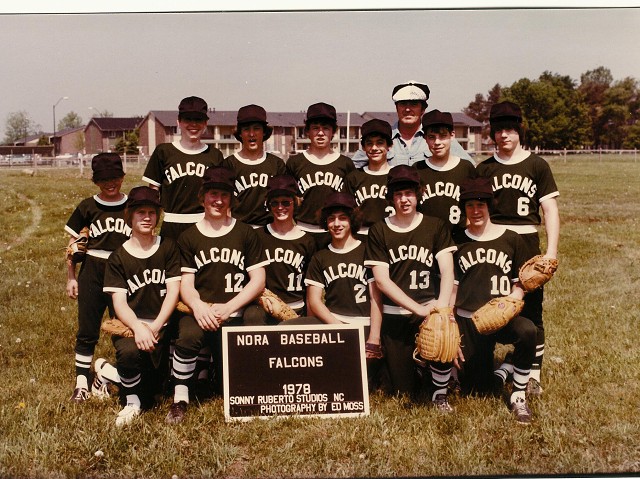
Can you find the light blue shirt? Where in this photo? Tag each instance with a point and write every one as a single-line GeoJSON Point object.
{"type": "Point", "coordinates": [403, 154]}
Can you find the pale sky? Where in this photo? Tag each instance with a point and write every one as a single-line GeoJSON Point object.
{"type": "Point", "coordinates": [131, 63]}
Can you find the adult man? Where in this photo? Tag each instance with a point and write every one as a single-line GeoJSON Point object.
{"type": "Point", "coordinates": [176, 168]}
{"type": "Point", "coordinates": [409, 145]}
{"type": "Point", "coordinates": [252, 166]}
{"type": "Point", "coordinates": [222, 271]}
{"type": "Point", "coordinates": [523, 184]}
{"type": "Point", "coordinates": [442, 172]}
{"type": "Point", "coordinates": [408, 253]}
{"type": "Point", "coordinates": [319, 170]}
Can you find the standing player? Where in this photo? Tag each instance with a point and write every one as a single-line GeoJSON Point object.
{"type": "Point", "coordinates": [252, 166]}
{"type": "Point", "coordinates": [287, 247]}
{"type": "Point", "coordinates": [409, 146]}
{"type": "Point", "coordinates": [409, 253]}
{"type": "Point", "coordinates": [486, 266]}
{"type": "Point", "coordinates": [523, 184]}
{"type": "Point", "coordinates": [339, 288]}
{"type": "Point", "coordinates": [442, 172]}
{"type": "Point", "coordinates": [369, 185]}
{"type": "Point", "coordinates": [103, 214]}
{"type": "Point", "coordinates": [222, 271]}
{"type": "Point", "coordinates": [176, 168]}
{"type": "Point", "coordinates": [319, 170]}
{"type": "Point", "coordinates": [143, 278]}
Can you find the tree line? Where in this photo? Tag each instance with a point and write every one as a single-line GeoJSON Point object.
{"type": "Point", "coordinates": [559, 112]}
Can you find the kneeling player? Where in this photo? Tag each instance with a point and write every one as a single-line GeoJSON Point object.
{"type": "Point", "coordinates": [486, 265]}
{"type": "Point", "coordinates": [143, 277]}
{"type": "Point", "coordinates": [222, 271]}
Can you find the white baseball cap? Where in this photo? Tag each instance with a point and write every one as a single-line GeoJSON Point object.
{"type": "Point", "coordinates": [410, 90]}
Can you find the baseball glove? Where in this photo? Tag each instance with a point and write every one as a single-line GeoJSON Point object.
{"type": "Point", "coordinates": [77, 249]}
{"type": "Point", "coordinates": [439, 337]}
{"type": "Point", "coordinates": [277, 308]}
{"type": "Point", "coordinates": [496, 314]}
{"type": "Point", "coordinates": [536, 272]}
{"type": "Point", "coordinates": [116, 327]}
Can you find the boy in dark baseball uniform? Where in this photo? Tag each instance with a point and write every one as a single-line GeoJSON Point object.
{"type": "Point", "coordinates": [319, 170]}
{"type": "Point", "coordinates": [369, 185]}
{"type": "Point", "coordinates": [176, 168]}
{"type": "Point", "coordinates": [523, 185]}
{"type": "Point", "coordinates": [143, 278]}
{"type": "Point", "coordinates": [222, 271]}
{"type": "Point", "coordinates": [442, 172]}
{"type": "Point", "coordinates": [287, 247]}
{"type": "Point", "coordinates": [252, 166]}
{"type": "Point", "coordinates": [103, 214]}
{"type": "Point", "coordinates": [486, 266]}
{"type": "Point", "coordinates": [409, 253]}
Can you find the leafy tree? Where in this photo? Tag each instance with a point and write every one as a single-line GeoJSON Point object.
{"type": "Point", "coordinates": [632, 139]}
{"type": "Point", "coordinates": [43, 140]}
{"type": "Point", "coordinates": [619, 112]}
{"type": "Point", "coordinates": [18, 126]}
{"type": "Point", "coordinates": [102, 113]}
{"type": "Point", "coordinates": [479, 108]}
{"type": "Point", "coordinates": [128, 144]}
{"type": "Point", "coordinates": [70, 120]}
{"type": "Point", "coordinates": [593, 86]}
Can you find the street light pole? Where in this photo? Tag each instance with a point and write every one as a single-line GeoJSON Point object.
{"type": "Point", "coordinates": [54, 122]}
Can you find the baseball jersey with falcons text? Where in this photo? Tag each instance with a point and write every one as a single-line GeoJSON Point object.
{"type": "Point", "coordinates": [342, 275]}
{"type": "Point", "coordinates": [519, 187]}
{"type": "Point", "coordinates": [442, 189]}
{"type": "Point", "coordinates": [369, 189]}
{"type": "Point", "coordinates": [178, 173]}
{"type": "Point", "coordinates": [220, 263]}
{"type": "Point", "coordinates": [143, 275]}
{"type": "Point", "coordinates": [251, 184]}
{"type": "Point", "coordinates": [487, 266]}
{"type": "Point", "coordinates": [105, 220]}
{"type": "Point", "coordinates": [289, 257]}
{"type": "Point", "coordinates": [411, 254]}
{"type": "Point", "coordinates": [317, 178]}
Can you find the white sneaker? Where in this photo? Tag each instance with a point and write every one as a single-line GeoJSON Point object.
{"type": "Point", "coordinates": [128, 414]}
{"type": "Point", "coordinates": [106, 372]}
{"type": "Point", "coordinates": [99, 389]}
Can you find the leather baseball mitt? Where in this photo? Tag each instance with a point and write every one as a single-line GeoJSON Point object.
{"type": "Point", "coordinates": [536, 272]}
{"type": "Point", "coordinates": [277, 308]}
{"type": "Point", "coordinates": [496, 314]}
{"type": "Point", "coordinates": [439, 337]}
{"type": "Point", "coordinates": [77, 249]}
{"type": "Point", "coordinates": [116, 327]}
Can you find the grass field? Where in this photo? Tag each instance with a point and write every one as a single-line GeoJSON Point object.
{"type": "Point", "coordinates": [585, 422]}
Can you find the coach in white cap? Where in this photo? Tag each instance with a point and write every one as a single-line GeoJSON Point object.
{"type": "Point", "coordinates": [409, 145]}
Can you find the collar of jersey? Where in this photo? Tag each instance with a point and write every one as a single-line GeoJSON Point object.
{"type": "Point", "coordinates": [189, 152]}
{"type": "Point", "coordinates": [141, 254]}
{"type": "Point", "coordinates": [414, 224]}
{"type": "Point", "coordinates": [449, 165]}
{"type": "Point", "coordinates": [344, 250]}
{"type": "Point", "coordinates": [383, 171]}
{"type": "Point", "coordinates": [330, 158]}
{"type": "Point", "coordinates": [488, 237]}
{"type": "Point", "coordinates": [216, 234]}
{"type": "Point", "coordinates": [245, 161]}
{"type": "Point", "coordinates": [110, 203]}
{"type": "Point", "coordinates": [514, 159]}
{"type": "Point", "coordinates": [295, 233]}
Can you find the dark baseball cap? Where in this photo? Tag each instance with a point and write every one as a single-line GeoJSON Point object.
{"type": "Point", "coordinates": [400, 177]}
{"type": "Point", "coordinates": [253, 114]}
{"type": "Point", "coordinates": [219, 177]}
{"type": "Point", "coordinates": [476, 189]}
{"type": "Point", "coordinates": [321, 111]}
{"type": "Point", "coordinates": [410, 90]}
{"type": "Point", "coordinates": [378, 127]}
{"type": "Point", "coordinates": [437, 117]}
{"type": "Point", "coordinates": [505, 110]}
{"type": "Point", "coordinates": [193, 107]}
{"type": "Point", "coordinates": [282, 185]}
{"type": "Point", "coordinates": [106, 166]}
{"type": "Point", "coordinates": [143, 195]}
{"type": "Point", "coordinates": [338, 200]}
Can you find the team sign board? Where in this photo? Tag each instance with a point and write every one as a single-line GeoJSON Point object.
{"type": "Point", "coordinates": [304, 370]}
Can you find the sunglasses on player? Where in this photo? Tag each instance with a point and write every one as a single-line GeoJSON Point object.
{"type": "Point", "coordinates": [283, 203]}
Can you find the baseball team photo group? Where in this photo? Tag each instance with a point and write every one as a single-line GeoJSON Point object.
{"type": "Point", "coordinates": [323, 315]}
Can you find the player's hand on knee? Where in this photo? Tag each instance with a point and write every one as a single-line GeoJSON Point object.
{"type": "Point", "coordinates": [145, 340]}
{"type": "Point", "coordinates": [72, 288]}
